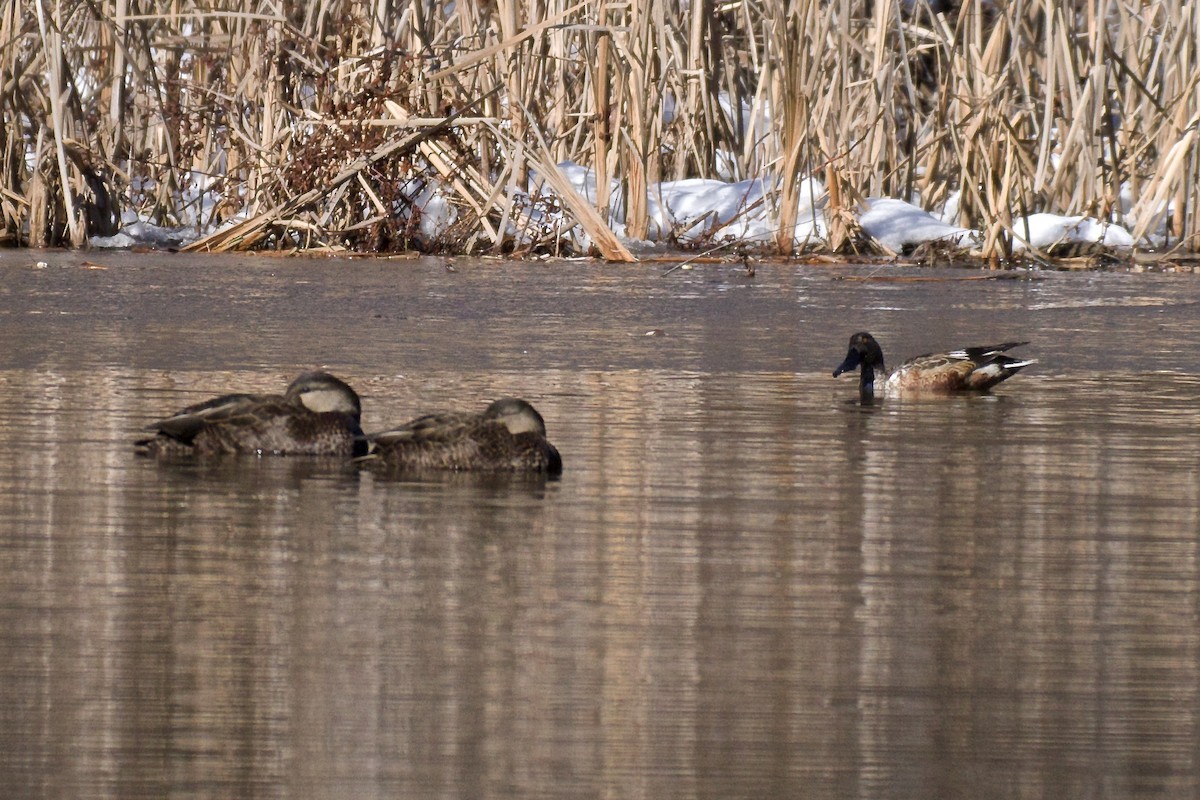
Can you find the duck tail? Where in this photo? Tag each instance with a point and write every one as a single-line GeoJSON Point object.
{"type": "Point", "coordinates": [1001, 368]}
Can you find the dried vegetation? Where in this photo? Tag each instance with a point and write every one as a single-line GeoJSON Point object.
{"type": "Point", "coordinates": [329, 124]}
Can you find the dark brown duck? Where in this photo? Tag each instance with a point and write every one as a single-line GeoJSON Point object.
{"type": "Point", "coordinates": [508, 436]}
{"type": "Point", "coordinates": [319, 414]}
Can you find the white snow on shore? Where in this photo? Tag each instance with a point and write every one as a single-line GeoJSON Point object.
{"type": "Point", "coordinates": [697, 211]}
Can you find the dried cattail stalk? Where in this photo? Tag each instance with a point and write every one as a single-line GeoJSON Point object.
{"type": "Point", "coordinates": [191, 115]}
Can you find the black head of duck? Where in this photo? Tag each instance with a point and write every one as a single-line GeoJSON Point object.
{"type": "Point", "coordinates": [866, 355]}
{"type": "Point", "coordinates": [970, 369]}
{"type": "Point", "coordinates": [318, 414]}
{"type": "Point", "coordinates": [508, 436]}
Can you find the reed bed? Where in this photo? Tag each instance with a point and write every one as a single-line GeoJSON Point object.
{"type": "Point", "coordinates": [355, 124]}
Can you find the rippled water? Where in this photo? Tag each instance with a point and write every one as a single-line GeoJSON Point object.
{"type": "Point", "coordinates": [745, 584]}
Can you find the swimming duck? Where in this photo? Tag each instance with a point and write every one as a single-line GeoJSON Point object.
{"type": "Point", "coordinates": [508, 436]}
{"type": "Point", "coordinates": [972, 369]}
{"type": "Point", "coordinates": [318, 415]}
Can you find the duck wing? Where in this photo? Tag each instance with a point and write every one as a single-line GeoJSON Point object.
{"type": "Point", "coordinates": [233, 410]}
{"type": "Point", "coordinates": [969, 369]}
{"type": "Point", "coordinates": [984, 354]}
{"type": "Point", "coordinates": [431, 428]}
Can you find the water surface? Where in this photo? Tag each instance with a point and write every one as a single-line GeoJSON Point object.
{"type": "Point", "coordinates": [746, 584]}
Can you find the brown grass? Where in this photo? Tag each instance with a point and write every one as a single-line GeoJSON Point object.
{"type": "Point", "coordinates": [328, 125]}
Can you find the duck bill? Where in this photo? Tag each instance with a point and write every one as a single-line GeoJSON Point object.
{"type": "Point", "coordinates": [853, 359]}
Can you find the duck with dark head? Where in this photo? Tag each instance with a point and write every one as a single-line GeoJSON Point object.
{"type": "Point", "coordinates": [971, 369]}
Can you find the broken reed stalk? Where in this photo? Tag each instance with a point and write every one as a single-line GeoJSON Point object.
{"type": "Point", "coordinates": [197, 116]}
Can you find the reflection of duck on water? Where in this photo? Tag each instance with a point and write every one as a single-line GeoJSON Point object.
{"type": "Point", "coordinates": [972, 369]}
{"type": "Point", "coordinates": [318, 415]}
{"type": "Point", "coordinates": [508, 436]}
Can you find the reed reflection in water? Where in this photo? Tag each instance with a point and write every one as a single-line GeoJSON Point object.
{"type": "Point", "coordinates": [745, 585]}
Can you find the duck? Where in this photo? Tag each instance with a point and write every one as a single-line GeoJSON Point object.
{"type": "Point", "coordinates": [971, 369]}
{"type": "Point", "coordinates": [507, 436]}
{"type": "Point", "coordinates": [318, 414]}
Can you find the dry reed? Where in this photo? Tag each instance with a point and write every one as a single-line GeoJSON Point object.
{"type": "Point", "coordinates": [345, 123]}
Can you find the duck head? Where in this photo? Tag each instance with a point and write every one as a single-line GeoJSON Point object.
{"type": "Point", "coordinates": [864, 353]}
{"type": "Point", "coordinates": [517, 415]}
{"type": "Point", "coordinates": [523, 419]}
{"type": "Point", "coordinates": [321, 393]}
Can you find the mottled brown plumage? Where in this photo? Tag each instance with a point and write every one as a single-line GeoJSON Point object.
{"type": "Point", "coordinates": [508, 436]}
{"type": "Point", "coordinates": [317, 415]}
{"type": "Point", "coordinates": [972, 369]}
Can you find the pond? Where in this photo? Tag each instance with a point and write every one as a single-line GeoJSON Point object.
{"type": "Point", "coordinates": [745, 583]}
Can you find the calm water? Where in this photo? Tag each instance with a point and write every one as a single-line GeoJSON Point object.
{"type": "Point", "coordinates": [744, 585]}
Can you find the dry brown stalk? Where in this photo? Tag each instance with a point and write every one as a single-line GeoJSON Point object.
{"type": "Point", "coordinates": [585, 214]}
{"type": "Point", "coordinates": [188, 114]}
{"type": "Point", "coordinates": [255, 229]}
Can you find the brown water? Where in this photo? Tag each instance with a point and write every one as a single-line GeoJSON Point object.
{"type": "Point", "coordinates": [744, 585]}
